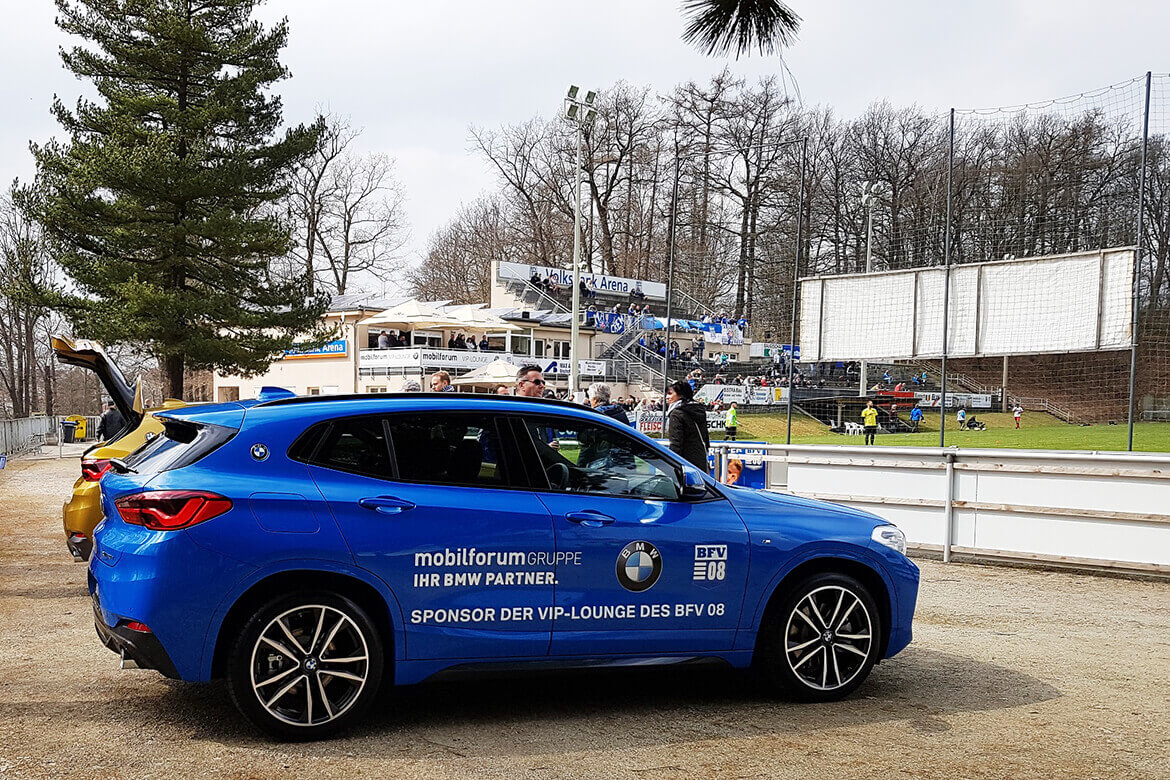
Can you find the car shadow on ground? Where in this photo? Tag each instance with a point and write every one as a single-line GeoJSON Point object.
{"type": "Point", "coordinates": [618, 708]}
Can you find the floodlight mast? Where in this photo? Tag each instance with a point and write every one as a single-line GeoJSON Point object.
{"type": "Point", "coordinates": [579, 112]}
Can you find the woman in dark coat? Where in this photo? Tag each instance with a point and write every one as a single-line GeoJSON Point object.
{"type": "Point", "coordinates": [686, 423]}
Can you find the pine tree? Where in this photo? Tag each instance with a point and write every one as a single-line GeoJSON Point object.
{"type": "Point", "coordinates": [164, 202]}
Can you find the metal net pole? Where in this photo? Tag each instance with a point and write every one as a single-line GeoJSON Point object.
{"type": "Point", "coordinates": [942, 400]}
{"type": "Point", "coordinates": [1137, 263]}
{"type": "Point", "coordinates": [795, 286]}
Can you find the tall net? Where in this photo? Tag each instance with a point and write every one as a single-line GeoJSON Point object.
{"type": "Point", "coordinates": [1054, 178]}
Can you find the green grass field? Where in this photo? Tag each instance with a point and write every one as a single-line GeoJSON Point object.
{"type": "Point", "coordinates": [1039, 432]}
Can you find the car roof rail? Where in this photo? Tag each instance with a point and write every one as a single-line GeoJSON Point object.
{"type": "Point", "coordinates": [478, 397]}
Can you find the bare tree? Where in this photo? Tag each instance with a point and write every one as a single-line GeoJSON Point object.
{"type": "Point", "coordinates": [347, 209]}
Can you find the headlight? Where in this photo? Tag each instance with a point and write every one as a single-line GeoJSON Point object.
{"type": "Point", "coordinates": [891, 536]}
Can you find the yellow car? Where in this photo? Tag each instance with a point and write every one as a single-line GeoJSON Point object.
{"type": "Point", "coordinates": [83, 511]}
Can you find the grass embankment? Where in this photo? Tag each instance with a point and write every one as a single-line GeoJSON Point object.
{"type": "Point", "coordinates": [1039, 431]}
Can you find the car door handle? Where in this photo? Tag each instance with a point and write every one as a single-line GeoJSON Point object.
{"type": "Point", "coordinates": [387, 505]}
{"type": "Point", "coordinates": [589, 518]}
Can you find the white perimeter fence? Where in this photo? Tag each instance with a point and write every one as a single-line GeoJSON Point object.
{"type": "Point", "coordinates": [25, 433]}
{"type": "Point", "coordinates": [1087, 509]}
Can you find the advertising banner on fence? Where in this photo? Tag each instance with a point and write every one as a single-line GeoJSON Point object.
{"type": "Point", "coordinates": [746, 465]}
{"type": "Point", "coordinates": [584, 367]}
{"type": "Point", "coordinates": [742, 394]}
{"type": "Point", "coordinates": [611, 285]}
{"type": "Point", "coordinates": [955, 400]}
{"type": "Point", "coordinates": [650, 423]}
{"type": "Point", "coordinates": [431, 358]}
{"type": "Point", "coordinates": [330, 349]}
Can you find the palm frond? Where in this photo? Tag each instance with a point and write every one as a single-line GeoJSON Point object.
{"type": "Point", "coordinates": [720, 27]}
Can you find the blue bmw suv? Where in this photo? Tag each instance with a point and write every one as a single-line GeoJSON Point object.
{"type": "Point", "coordinates": [309, 549]}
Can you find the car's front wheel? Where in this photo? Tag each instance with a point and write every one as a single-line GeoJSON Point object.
{"type": "Point", "coordinates": [821, 638]}
{"type": "Point", "coordinates": [306, 665]}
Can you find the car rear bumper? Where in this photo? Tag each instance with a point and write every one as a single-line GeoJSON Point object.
{"type": "Point", "coordinates": [142, 647]}
{"type": "Point", "coordinates": [80, 546]}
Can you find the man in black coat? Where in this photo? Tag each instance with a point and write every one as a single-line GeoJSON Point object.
{"type": "Point", "coordinates": [111, 422]}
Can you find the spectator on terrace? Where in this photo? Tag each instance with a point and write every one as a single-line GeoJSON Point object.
{"type": "Point", "coordinates": [483, 343]}
{"type": "Point", "coordinates": [598, 393]}
{"type": "Point", "coordinates": [383, 340]}
{"type": "Point", "coordinates": [441, 382]}
{"type": "Point", "coordinates": [451, 342]}
{"type": "Point", "coordinates": [503, 390]}
{"type": "Point", "coordinates": [460, 342]}
{"type": "Point", "coordinates": [582, 288]}
{"type": "Point", "coordinates": [637, 293]}
{"type": "Point", "coordinates": [900, 387]}
{"type": "Point", "coordinates": [591, 315]}
{"type": "Point", "coordinates": [886, 377]}
{"type": "Point", "coordinates": [535, 279]}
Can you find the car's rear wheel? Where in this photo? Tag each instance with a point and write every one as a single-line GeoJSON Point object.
{"type": "Point", "coordinates": [820, 639]}
{"type": "Point", "coordinates": [306, 665]}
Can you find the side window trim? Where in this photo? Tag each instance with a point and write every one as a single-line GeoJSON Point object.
{"type": "Point", "coordinates": [321, 431]}
{"type": "Point", "coordinates": [544, 485]}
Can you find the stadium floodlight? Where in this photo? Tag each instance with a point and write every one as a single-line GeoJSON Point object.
{"type": "Point", "coordinates": [580, 113]}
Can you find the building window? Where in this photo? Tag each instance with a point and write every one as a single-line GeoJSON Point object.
{"type": "Point", "coordinates": [375, 389]}
{"type": "Point", "coordinates": [560, 349]}
{"type": "Point", "coordinates": [313, 391]}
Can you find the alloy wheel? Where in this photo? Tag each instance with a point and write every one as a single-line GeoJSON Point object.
{"type": "Point", "coordinates": [828, 637]}
{"type": "Point", "coordinates": [309, 665]}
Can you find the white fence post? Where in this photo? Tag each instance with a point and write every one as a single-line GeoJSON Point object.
{"type": "Point", "coordinates": [949, 508]}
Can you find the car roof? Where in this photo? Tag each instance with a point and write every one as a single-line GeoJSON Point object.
{"type": "Point", "coordinates": [473, 399]}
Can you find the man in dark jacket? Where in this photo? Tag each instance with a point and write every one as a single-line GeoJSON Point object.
{"type": "Point", "coordinates": [111, 422]}
{"type": "Point", "coordinates": [599, 399]}
{"type": "Point", "coordinates": [687, 425]}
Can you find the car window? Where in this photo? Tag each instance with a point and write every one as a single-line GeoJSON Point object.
{"type": "Point", "coordinates": [357, 445]}
{"type": "Point", "coordinates": [581, 457]}
{"type": "Point", "coordinates": [446, 448]}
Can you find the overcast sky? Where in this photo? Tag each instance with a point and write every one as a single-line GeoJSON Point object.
{"type": "Point", "coordinates": [415, 76]}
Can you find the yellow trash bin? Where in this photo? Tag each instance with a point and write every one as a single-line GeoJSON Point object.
{"type": "Point", "coordinates": [80, 431]}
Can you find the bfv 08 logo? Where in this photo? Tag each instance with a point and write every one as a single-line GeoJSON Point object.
{"type": "Point", "coordinates": [710, 563]}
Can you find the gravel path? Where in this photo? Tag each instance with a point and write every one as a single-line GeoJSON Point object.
{"type": "Point", "coordinates": [1013, 673]}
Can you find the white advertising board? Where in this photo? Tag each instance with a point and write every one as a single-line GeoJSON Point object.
{"type": "Point", "coordinates": [1060, 303]}
{"type": "Point", "coordinates": [954, 400]}
{"type": "Point", "coordinates": [613, 285]}
{"type": "Point", "coordinates": [431, 358]}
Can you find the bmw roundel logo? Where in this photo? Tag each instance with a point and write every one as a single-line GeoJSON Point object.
{"type": "Point", "coordinates": [638, 566]}
{"type": "Point", "coordinates": [259, 452]}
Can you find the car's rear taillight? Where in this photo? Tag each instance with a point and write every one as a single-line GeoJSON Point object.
{"type": "Point", "coordinates": [171, 510]}
{"type": "Point", "coordinates": [93, 468]}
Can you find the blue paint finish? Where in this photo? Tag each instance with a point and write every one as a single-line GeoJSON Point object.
{"type": "Point", "coordinates": [515, 575]}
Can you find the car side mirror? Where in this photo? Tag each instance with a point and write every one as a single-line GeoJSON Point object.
{"type": "Point", "coordinates": [693, 484]}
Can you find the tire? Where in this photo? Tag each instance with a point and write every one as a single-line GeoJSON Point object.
{"type": "Point", "coordinates": [830, 662]}
{"type": "Point", "coordinates": [298, 694]}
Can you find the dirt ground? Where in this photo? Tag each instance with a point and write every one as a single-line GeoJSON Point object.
{"type": "Point", "coordinates": [1013, 673]}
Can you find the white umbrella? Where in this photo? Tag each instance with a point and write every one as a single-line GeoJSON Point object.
{"type": "Point", "coordinates": [498, 372]}
{"type": "Point", "coordinates": [414, 314]}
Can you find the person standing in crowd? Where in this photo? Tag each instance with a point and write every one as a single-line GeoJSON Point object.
{"type": "Point", "coordinates": [734, 471]}
{"type": "Point", "coordinates": [599, 399]}
{"type": "Point", "coordinates": [503, 390]}
{"type": "Point", "coordinates": [916, 417]}
{"type": "Point", "coordinates": [111, 422]}
{"type": "Point", "coordinates": [1017, 413]}
{"type": "Point", "coordinates": [869, 419]}
{"type": "Point", "coordinates": [530, 381]}
{"type": "Point", "coordinates": [411, 386]}
{"type": "Point", "coordinates": [731, 422]}
{"type": "Point", "coordinates": [483, 343]}
{"type": "Point", "coordinates": [441, 382]}
{"type": "Point", "coordinates": [383, 340]}
{"type": "Point", "coordinates": [687, 425]}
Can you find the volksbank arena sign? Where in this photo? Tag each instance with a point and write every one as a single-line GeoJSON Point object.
{"type": "Point", "coordinates": [612, 285]}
